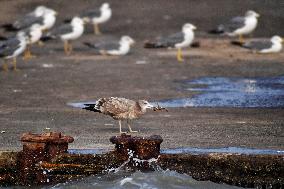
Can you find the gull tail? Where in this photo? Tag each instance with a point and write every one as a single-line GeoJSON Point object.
{"type": "Point", "coordinates": [238, 43]}
{"type": "Point", "coordinates": [3, 38]}
{"type": "Point", "coordinates": [89, 44]}
{"type": "Point", "coordinates": [67, 20]}
{"type": "Point", "coordinates": [47, 37]}
{"type": "Point", "coordinates": [9, 27]}
{"type": "Point", "coordinates": [153, 45]}
{"type": "Point", "coordinates": [95, 49]}
{"type": "Point", "coordinates": [91, 107]}
{"type": "Point", "coordinates": [219, 30]}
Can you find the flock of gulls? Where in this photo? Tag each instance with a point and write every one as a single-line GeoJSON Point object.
{"type": "Point", "coordinates": [38, 26]}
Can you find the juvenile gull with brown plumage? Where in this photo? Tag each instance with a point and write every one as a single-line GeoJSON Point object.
{"type": "Point", "coordinates": [120, 109]}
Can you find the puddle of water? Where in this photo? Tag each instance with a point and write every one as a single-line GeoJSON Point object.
{"type": "Point", "coordinates": [188, 150]}
{"type": "Point", "coordinates": [231, 92]}
{"type": "Point", "coordinates": [226, 92]}
{"type": "Point", "coordinates": [80, 104]}
{"type": "Point", "coordinates": [234, 150]}
{"type": "Point", "coordinates": [87, 151]}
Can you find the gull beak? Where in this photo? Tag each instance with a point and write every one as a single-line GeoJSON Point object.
{"type": "Point", "coordinates": [56, 13]}
{"type": "Point", "coordinates": [132, 42]}
{"type": "Point", "coordinates": [257, 15]}
{"type": "Point", "coordinates": [150, 106]}
{"type": "Point", "coordinates": [194, 27]}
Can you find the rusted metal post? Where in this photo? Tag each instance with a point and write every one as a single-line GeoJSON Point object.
{"type": "Point", "coordinates": [143, 148]}
{"type": "Point", "coordinates": [36, 149]}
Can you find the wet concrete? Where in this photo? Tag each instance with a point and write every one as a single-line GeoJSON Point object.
{"type": "Point", "coordinates": [36, 97]}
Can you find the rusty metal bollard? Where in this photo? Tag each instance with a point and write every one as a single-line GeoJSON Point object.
{"type": "Point", "coordinates": [38, 148]}
{"type": "Point", "coordinates": [143, 148]}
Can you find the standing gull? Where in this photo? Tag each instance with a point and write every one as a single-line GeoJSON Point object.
{"type": "Point", "coordinates": [67, 33]}
{"type": "Point", "coordinates": [49, 19]}
{"type": "Point", "coordinates": [178, 40]}
{"type": "Point", "coordinates": [273, 45]}
{"type": "Point", "coordinates": [239, 26]}
{"type": "Point", "coordinates": [33, 34]}
{"type": "Point", "coordinates": [27, 20]}
{"type": "Point", "coordinates": [120, 109]}
{"type": "Point", "coordinates": [41, 15]}
{"type": "Point", "coordinates": [98, 16]}
{"type": "Point", "coordinates": [118, 48]}
{"type": "Point", "coordinates": [11, 48]}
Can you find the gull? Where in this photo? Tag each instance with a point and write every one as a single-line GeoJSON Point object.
{"type": "Point", "coordinates": [120, 109]}
{"type": "Point", "coordinates": [121, 47]}
{"type": "Point", "coordinates": [67, 33]}
{"type": "Point", "coordinates": [11, 48]}
{"type": "Point", "coordinates": [33, 34]}
{"type": "Point", "coordinates": [178, 40]}
{"type": "Point", "coordinates": [240, 25]}
{"type": "Point", "coordinates": [49, 19]}
{"type": "Point", "coordinates": [27, 20]}
{"type": "Point", "coordinates": [273, 45]}
{"type": "Point", "coordinates": [98, 16]}
{"type": "Point", "coordinates": [41, 15]}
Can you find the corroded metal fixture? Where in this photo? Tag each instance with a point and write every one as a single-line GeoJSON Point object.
{"type": "Point", "coordinates": [143, 148]}
{"type": "Point", "coordinates": [36, 149]}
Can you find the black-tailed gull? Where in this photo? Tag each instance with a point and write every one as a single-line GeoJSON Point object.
{"type": "Point", "coordinates": [240, 25]}
{"type": "Point", "coordinates": [121, 47]}
{"type": "Point", "coordinates": [11, 48]}
{"type": "Point", "coordinates": [67, 33]}
{"type": "Point", "coordinates": [273, 45]}
{"type": "Point", "coordinates": [178, 40]}
{"type": "Point", "coordinates": [41, 15]}
{"type": "Point", "coordinates": [98, 16]}
{"type": "Point", "coordinates": [33, 34]}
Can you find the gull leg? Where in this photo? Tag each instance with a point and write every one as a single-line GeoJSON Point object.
{"type": "Point", "coordinates": [130, 130]}
{"type": "Point", "coordinates": [120, 131]}
{"type": "Point", "coordinates": [30, 55]}
{"type": "Point", "coordinates": [15, 64]}
{"type": "Point", "coordinates": [179, 55]}
{"type": "Point", "coordinates": [97, 29]}
{"type": "Point", "coordinates": [5, 66]}
{"type": "Point", "coordinates": [70, 48]}
{"type": "Point", "coordinates": [241, 39]}
{"type": "Point", "coordinates": [27, 54]}
{"type": "Point", "coordinates": [66, 47]}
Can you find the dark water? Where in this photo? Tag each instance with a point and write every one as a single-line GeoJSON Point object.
{"type": "Point", "coordinates": [264, 92]}
{"type": "Point", "coordinates": [189, 150]}
{"type": "Point", "coordinates": [236, 150]}
{"type": "Point", "coordinates": [139, 180]}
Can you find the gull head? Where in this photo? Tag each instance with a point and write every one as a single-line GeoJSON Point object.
{"type": "Point", "coordinates": [277, 39]}
{"type": "Point", "coordinates": [127, 39]}
{"type": "Point", "coordinates": [105, 6]}
{"type": "Point", "coordinates": [252, 13]}
{"type": "Point", "coordinates": [77, 21]}
{"type": "Point", "coordinates": [40, 11]}
{"type": "Point", "coordinates": [144, 104]}
{"type": "Point", "coordinates": [50, 12]}
{"type": "Point", "coordinates": [188, 27]}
